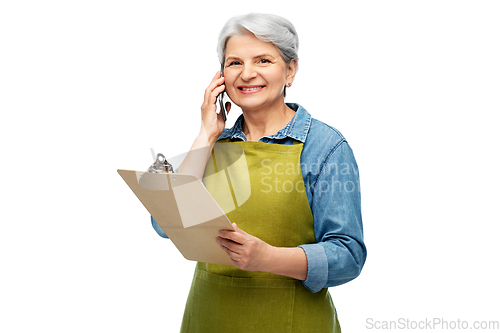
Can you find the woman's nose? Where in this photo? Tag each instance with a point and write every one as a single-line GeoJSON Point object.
{"type": "Point", "coordinates": [248, 72]}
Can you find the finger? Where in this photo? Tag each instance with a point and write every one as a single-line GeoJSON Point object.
{"type": "Point", "coordinates": [213, 90]}
{"type": "Point", "coordinates": [226, 234]}
{"type": "Point", "coordinates": [217, 90]}
{"type": "Point", "coordinates": [238, 239]}
{"type": "Point", "coordinates": [217, 80]}
{"type": "Point", "coordinates": [210, 89]}
{"type": "Point", "coordinates": [233, 235]}
{"type": "Point", "coordinates": [238, 230]}
{"type": "Point", "coordinates": [216, 76]}
{"type": "Point", "coordinates": [230, 254]}
{"type": "Point", "coordinates": [228, 246]}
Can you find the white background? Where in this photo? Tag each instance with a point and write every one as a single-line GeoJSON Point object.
{"type": "Point", "coordinates": [87, 87]}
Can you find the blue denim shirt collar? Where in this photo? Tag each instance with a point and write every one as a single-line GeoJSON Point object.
{"type": "Point", "coordinates": [297, 128]}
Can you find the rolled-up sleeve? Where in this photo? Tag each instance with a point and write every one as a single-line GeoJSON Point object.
{"type": "Point", "coordinates": [339, 253]}
{"type": "Point", "coordinates": [157, 228]}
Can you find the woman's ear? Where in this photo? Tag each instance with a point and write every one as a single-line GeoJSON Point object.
{"type": "Point", "coordinates": [291, 70]}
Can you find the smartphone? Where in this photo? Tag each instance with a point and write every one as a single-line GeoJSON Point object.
{"type": "Point", "coordinates": [220, 98]}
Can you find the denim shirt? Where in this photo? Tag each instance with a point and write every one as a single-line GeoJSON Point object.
{"type": "Point", "coordinates": [331, 181]}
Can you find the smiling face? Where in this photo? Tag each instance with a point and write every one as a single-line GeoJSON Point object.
{"type": "Point", "coordinates": [255, 73]}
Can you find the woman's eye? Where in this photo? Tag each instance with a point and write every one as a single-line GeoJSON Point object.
{"type": "Point", "coordinates": [264, 61]}
{"type": "Point", "coordinates": [234, 63]}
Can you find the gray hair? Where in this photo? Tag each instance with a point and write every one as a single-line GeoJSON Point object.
{"type": "Point", "coordinates": [268, 28]}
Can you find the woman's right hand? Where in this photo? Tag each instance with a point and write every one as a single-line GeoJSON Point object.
{"type": "Point", "coordinates": [211, 122]}
{"type": "Point", "coordinates": [212, 126]}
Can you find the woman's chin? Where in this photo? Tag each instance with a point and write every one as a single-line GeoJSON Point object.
{"type": "Point", "coordinates": [256, 104]}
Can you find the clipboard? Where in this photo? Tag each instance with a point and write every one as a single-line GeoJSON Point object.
{"type": "Point", "coordinates": [185, 210]}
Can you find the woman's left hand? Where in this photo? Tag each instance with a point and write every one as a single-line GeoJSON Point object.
{"type": "Point", "coordinates": [247, 252]}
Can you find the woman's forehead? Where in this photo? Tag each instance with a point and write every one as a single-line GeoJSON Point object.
{"type": "Point", "coordinates": [248, 45]}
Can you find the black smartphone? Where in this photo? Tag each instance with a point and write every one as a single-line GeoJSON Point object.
{"type": "Point", "coordinates": [221, 98]}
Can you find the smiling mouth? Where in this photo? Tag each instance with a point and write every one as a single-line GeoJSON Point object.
{"type": "Point", "coordinates": [250, 88]}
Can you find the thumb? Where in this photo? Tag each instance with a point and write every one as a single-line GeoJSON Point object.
{"type": "Point", "coordinates": [236, 228]}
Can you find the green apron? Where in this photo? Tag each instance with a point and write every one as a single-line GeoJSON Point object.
{"type": "Point", "coordinates": [260, 187]}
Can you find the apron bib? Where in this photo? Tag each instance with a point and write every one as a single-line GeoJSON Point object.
{"type": "Point", "coordinates": [260, 187]}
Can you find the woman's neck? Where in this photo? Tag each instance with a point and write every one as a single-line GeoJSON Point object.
{"type": "Point", "coordinates": [266, 122]}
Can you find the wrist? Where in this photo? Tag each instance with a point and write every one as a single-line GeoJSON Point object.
{"type": "Point", "coordinates": [269, 259]}
{"type": "Point", "coordinates": [287, 261]}
{"type": "Point", "coordinates": [206, 139]}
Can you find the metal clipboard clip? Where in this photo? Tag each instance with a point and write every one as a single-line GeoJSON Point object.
{"type": "Point", "coordinates": [161, 164]}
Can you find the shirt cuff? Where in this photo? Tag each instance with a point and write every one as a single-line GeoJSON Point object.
{"type": "Point", "coordinates": [317, 267]}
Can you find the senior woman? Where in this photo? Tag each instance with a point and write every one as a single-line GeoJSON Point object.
{"type": "Point", "coordinates": [299, 231]}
